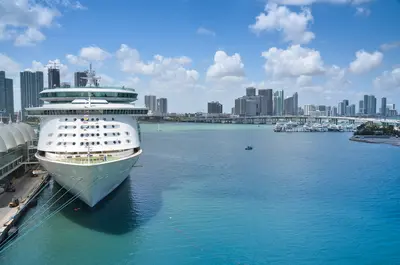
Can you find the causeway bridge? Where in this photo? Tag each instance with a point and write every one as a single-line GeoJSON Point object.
{"type": "Point", "coordinates": [263, 119]}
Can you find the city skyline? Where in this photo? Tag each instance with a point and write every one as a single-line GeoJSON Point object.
{"type": "Point", "coordinates": [320, 57]}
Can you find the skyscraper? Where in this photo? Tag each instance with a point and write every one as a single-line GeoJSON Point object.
{"type": "Point", "coordinates": [54, 77]}
{"type": "Point", "coordinates": [31, 86]}
{"type": "Point", "coordinates": [295, 103]}
{"type": "Point", "coordinates": [79, 80]}
{"type": "Point", "coordinates": [214, 107]}
{"type": "Point", "coordinates": [383, 107]}
{"type": "Point", "coordinates": [6, 95]}
{"type": "Point", "coordinates": [278, 102]}
{"type": "Point", "coordinates": [266, 101]}
{"type": "Point", "coordinates": [361, 107]}
{"type": "Point", "coordinates": [250, 91]}
{"type": "Point", "coordinates": [162, 106]}
{"type": "Point", "coordinates": [366, 106]}
{"type": "Point", "coordinates": [288, 106]}
{"type": "Point", "coordinates": [151, 103]}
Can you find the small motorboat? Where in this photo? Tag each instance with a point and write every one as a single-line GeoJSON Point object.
{"type": "Point", "coordinates": [249, 148]}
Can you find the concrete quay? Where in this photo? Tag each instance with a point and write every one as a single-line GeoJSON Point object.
{"type": "Point", "coordinates": [26, 189]}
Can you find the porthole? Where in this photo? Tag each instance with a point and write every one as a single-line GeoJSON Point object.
{"type": "Point", "coordinates": [114, 134]}
{"type": "Point", "coordinates": [97, 126]}
{"type": "Point", "coordinates": [65, 143]}
{"type": "Point", "coordinates": [81, 143]}
{"type": "Point", "coordinates": [58, 143]}
{"type": "Point", "coordinates": [98, 143]}
{"type": "Point", "coordinates": [97, 134]}
{"type": "Point", "coordinates": [66, 119]}
{"type": "Point", "coordinates": [127, 133]}
{"type": "Point", "coordinates": [74, 127]}
{"type": "Point", "coordinates": [50, 134]}
{"type": "Point", "coordinates": [74, 135]}
{"type": "Point", "coordinates": [113, 126]}
{"type": "Point", "coordinates": [81, 134]}
{"type": "Point", "coordinates": [97, 119]}
{"type": "Point", "coordinates": [118, 134]}
{"type": "Point", "coordinates": [119, 142]}
{"type": "Point", "coordinates": [104, 119]}
{"type": "Point", "coordinates": [92, 119]}
{"type": "Point", "coordinates": [128, 141]}
{"type": "Point", "coordinates": [82, 119]}
{"type": "Point", "coordinates": [105, 126]}
{"type": "Point", "coordinates": [92, 134]}
{"type": "Point", "coordinates": [87, 143]}
{"type": "Point", "coordinates": [105, 142]}
{"type": "Point", "coordinates": [65, 135]}
{"type": "Point", "coordinates": [114, 142]}
{"type": "Point", "coordinates": [73, 143]}
{"type": "Point", "coordinates": [74, 119]}
{"type": "Point", "coordinates": [112, 118]}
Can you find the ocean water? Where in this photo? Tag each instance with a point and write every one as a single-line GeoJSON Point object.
{"type": "Point", "coordinates": [200, 198]}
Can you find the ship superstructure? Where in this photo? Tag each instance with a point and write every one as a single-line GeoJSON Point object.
{"type": "Point", "coordinates": [89, 137]}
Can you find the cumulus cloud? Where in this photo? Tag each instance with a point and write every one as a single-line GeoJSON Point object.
{"type": "Point", "coordinates": [226, 68]}
{"type": "Point", "coordinates": [365, 62]}
{"type": "Point", "coordinates": [87, 55]}
{"type": "Point", "coordinates": [294, 26]}
{"type": "Point", "coordinates": [293, 62]}
{"type": "Point", "coordinates": [9, 65]}
{"type": "Point", "coordinates": [309, 2]}
{"type": "Point", "coordinates": [23, 20]}
{"type": "Point", "coordinates": [162, 68]}
{"type": "Point", "coordinates": [389, 80]}
{"type": "Point", "coordinates": [204, 31]}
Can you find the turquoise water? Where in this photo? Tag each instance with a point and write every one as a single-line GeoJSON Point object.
{"type": "Point", "coordinates": [301, 198]}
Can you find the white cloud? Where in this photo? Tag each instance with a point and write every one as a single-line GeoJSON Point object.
{"type": "Point", "coordinates": [365, 62]}
{"type": "Point", "coordinates": [204, 31]}
{"type": "Point", "coordinates": [226, 68]}
{"type": "Point", "coordinates": [294, 26]}
{"type": "Point", "coordinates": [168, 69]}
{"type": "Point", "coordinates": [293, 62]}
{"type": "Point", "coordinates": [94, 53]}
{"type": "Point", "coordinates": [304, 80]}
{"type": "Point", "coordinates": [388, 46]}
{"type": "Point", "coordinates": [73, 59]}
{"type": "Point", "coordinates": [309, 2]}
{"type": "Point", "coordinates": [389, 80]}
{"type": "Point", "coordinates": [9, 65]}
{"type": "Point", "coordinates": [23, 20]}
{"type": "Point", "coordinates": [362, 11]}
{"type": "Point", "coordinates": [30, 37]}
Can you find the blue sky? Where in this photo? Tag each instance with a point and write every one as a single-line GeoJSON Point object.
{"type": "Point", "coordinates": [211, 50]}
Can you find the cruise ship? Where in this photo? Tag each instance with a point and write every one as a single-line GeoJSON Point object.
{"type": "Point", "coordinates": [89, 138]}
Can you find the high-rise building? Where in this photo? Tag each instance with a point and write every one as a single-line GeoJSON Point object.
{"type": "Point", "coordinates": [361, 107]}
{"type": "Point", "coordinates": [295, 103]}
{"type": "Point", "coordinates": [341, 109]}
{"type": "Point", "coordinates": [334, 111]}
{"type": "Point", "coordinates": [214, 107]}
{"type": "Point", "coordinates": [150, 102]}
{"type": "Point", "coordinates": [288, 106]}
{"type": "Point", "coordinates": [6, 95]}
{"type": "Point", "coordinates": [383, 107]}
{"type": "Point", "coordinates": [53, 75]}
{"type": "Point", "coordinates": [366, 105]}
{"type": "Point", "coordinates": [371, 106]}
{"type": "Point", "coordinates": [31, 86]}
{"type": "Point", "coordinates": [251, 107]}
{"type": "Point", "coordinates": [308, 109]}
{"type": "Point", "coordinates": [266, 101]}
{"type": "Point", "coordinates": [250, 91]}
{"type": "Point", "coordinates": [79, 79]}
{"type": "Point", "coordinates": [162, 106]}
{"type": "Point", "coordinates": [278, 102]}
{"type": "Point", "coordinates": [351, 110]}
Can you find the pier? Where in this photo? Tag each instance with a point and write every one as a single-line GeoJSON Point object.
{"type": "Point", "coordinates": [27, 188]}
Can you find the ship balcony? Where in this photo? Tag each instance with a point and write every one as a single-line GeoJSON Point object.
{"type": "Point", "coordinates": [89, 158]}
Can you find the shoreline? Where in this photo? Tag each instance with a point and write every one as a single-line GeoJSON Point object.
{"type": "Point", "coordinates": [395, 141]}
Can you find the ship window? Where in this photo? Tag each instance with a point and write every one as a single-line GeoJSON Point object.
{"type": "Point", "coordinates": [73, 143]}
{"type": "Point", "coordinates": [97, 134]}
{"type": "Point", "coordinates": [105, 134]}
{"type": "Point", "coordinates": [105, 142]}
{"type": "Point", "coordinates": [97, 119]}
{"type": "Point", "coordinates": [50, 134]}
{"type": "Point", "coordinates": [92, 134]}
{"type": "Point", "coordinates": [82, 119]}
{"type": "Point", "coordinates": [87, 143]}
{"type": "Point", "coordinates": [128, 141]}
{"type": "Point", "coordinates": [97, 126]}
{"type": "Point", "coordinates": [118, 134]}
{"type": "Point", "coordinates": [114, 142]}
{"type": "Point", "coordinates": [105, 126]}
{"type": "Point", "coordinates": [92, 143]}
{"type": "Point", "coordinates": [92, 119]}
{"type": "Point", "coordinates": [113, 126]}
{"type": "Point", "coordinates": [74, 135]}
{"type": "Point", "coordinates": [119, 142]}
{"type": "Point", "coordinates": [98, 143]}
{"type": "Point", "coordinates": [65, 135]}
{"type": "Point", "coordinates": [104, 119]}
{"type": "Point", "coordinates": [81, 143]}
{"type": "Point", "coordinates": [127, 133]}
{"type": "Point", "coordinates": [114, 134]}
{"type": "Point", "coordinates": [66, 119]}
{"type": "Point", "coordinates": [74, 127]}
{"type": "Point", "coordinates": [65, 143]}
{"type": "Point", "coordinates": [74, 119]}
{"type": "Point", "coordinates": [112, 118]}
{"type": "Point", "coordinates": [87, 135]}
{"type": "Point", "coordinates": [58, 143]}
{"type": "Point", "coordinates": [81, 134]}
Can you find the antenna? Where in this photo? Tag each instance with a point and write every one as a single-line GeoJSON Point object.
{"type": "Point", "coordinates": [92, 79]}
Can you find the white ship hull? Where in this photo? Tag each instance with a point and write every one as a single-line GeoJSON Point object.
{"type": "Point", "coordinates": [90, 183]}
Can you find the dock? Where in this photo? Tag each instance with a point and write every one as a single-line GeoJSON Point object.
{"type": "Point", "coordinates": [26, 189]}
